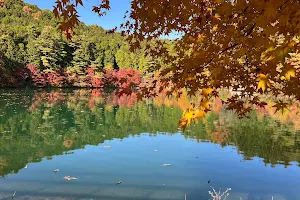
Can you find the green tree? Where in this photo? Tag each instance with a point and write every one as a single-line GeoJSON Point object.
{"type": "Point", "coordinates": [12, 48]}
{"type": "Point", "coordinates": [48, 50]}
{"type": "Point", "coordinates": [81, 53]}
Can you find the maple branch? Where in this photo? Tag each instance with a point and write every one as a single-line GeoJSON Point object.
{"type": "Point", "coordinates": [226, 49]}
{"type": "Point", "coordinates": [230, 47]}
{"type": "Point", "coordinates": [251, 29]}
{"type": "Point", "coordinates": [162, 14]}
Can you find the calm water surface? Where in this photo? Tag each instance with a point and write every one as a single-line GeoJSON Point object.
{"type": "Point", "coordinates": [70, 130]}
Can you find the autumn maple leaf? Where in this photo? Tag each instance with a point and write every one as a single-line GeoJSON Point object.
{"type": "Point", "coordinates": [96, 9]}
{"type": "Point", "coordinates": [205, 104]}
{"type": "Point", "coordinates": [207, 91]}
{"type": "Point", "coordinates": [288, 72]}
{"type": "Point", "coordinates": [189, 115]}
{"type": "Point", "coordinates": [263, 82]}
{"type": "Point", "coordinates": [217, 16]}
{"type": "Point", "coordinates": [280, 105]}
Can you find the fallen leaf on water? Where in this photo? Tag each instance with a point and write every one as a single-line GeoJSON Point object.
{"type": "Point", "coordinates": [107, 147]}
{"type": "Point", "coordinates": [69, 178]}
{"type": "Point", "coordinates": [56, 170]}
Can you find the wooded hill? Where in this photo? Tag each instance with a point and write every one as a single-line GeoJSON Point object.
{"type": "Point", "coordinates": [29, 35]}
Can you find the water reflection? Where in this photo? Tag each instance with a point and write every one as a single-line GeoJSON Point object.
{"type": "Point", "coordinates": [38, 124]}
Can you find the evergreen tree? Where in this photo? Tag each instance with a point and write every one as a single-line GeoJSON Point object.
{"type": "Point", "coordinates": [80, 61]}
{"type": "Point", "coordinates": [48, 49]}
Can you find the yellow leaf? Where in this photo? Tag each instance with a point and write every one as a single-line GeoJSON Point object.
{"type": "Point", "coordinates": [266, 55]}
{"type": "Point", "coordinates": [190, 78]}
{"type": "Point", "coordinates": [292, 44]}
{"type": "Point", "coordinates": [217, 16]}
{"type": "Point", "coordinates": [201, 37]}
{"type": "Point", "coordinates": [154, 10]}
{"type": "Point", "coordinates": [207, 91]}
{"type": "Point", "coordinates": [215, 28]}
{"type": "Point", "coordinates": [190, 115]}
{"type": "Point", "coordinates": [199, 114]}
{"type": "Point", "coordinates": [263, 82]}
{"type": "Point", "coordinates": [289, 71]}
{"type": "Point", "coordinates": [289, 74]}
{"type": "Point", "coordinates": [205, 103]}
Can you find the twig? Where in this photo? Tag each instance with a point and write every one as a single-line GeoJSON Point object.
{"type": "Point", "coordinates": [217, 195]}
{"type": "Point", "coordinates": [14, 194]}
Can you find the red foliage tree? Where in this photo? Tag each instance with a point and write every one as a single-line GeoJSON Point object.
{"type": "Point", "coordinates": [125, 79]}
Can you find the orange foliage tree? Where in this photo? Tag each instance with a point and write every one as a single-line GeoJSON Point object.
{"type": "Point", "coordinates": [249, 47]}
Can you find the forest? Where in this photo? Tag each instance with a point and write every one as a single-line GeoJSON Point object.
{"type": "Point", "coordinates": [34, 52]}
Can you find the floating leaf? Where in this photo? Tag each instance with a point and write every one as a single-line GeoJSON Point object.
{"type": "Point", "coordinates": [70, 178]}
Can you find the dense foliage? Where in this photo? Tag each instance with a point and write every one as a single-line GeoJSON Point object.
{"type": "Point", "coordinates": [32, 50]}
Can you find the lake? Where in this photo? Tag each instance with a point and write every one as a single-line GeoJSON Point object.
{"type": "Point", "coordinates": [116, 147]}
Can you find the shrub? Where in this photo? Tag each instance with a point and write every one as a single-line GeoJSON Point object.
{"type": "Point", "coordinates": [123, 79]}
{"type": "Point", "coordinates": [37, 77]}
{"type": "Point", "coordinates": [94, 79]}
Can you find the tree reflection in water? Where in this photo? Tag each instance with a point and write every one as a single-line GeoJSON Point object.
{"type": "Point", "coordinates": [38, 124]}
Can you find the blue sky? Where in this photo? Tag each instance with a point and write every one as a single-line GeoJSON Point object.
{"type": "Point", "coordinates": [113, 18]}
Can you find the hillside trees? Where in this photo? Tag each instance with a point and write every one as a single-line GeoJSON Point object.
{"type": "Point", "coordinates": [30, 36]}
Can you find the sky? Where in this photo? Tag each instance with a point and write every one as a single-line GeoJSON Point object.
{"type": "Point", "coordinates": [113, 18]}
